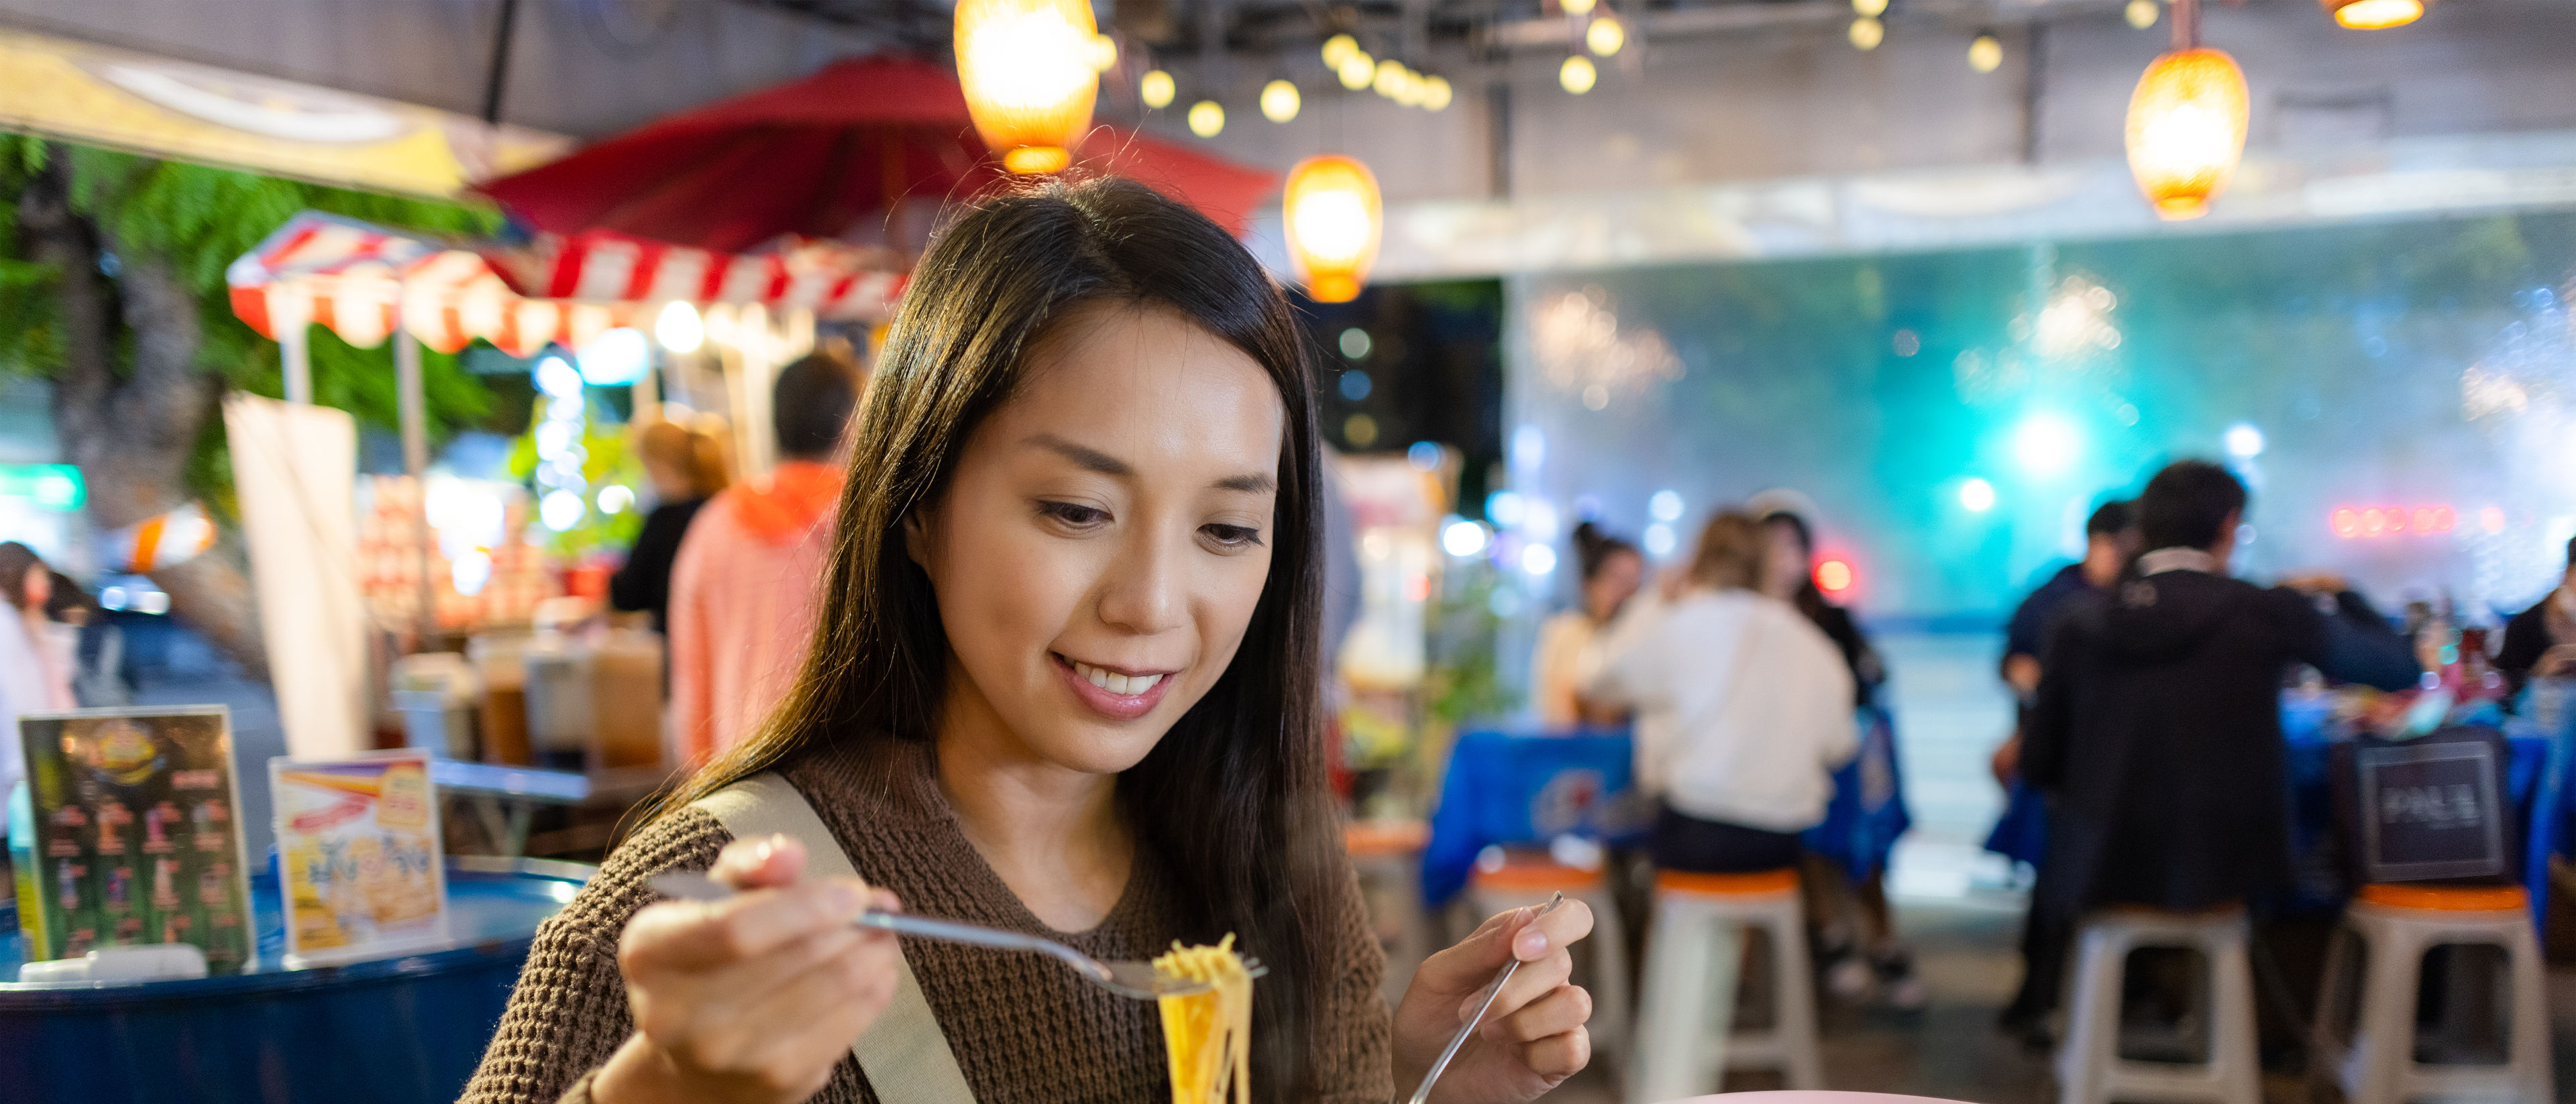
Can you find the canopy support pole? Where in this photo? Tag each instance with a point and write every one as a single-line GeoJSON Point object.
{"type": "Point", "coordinates": [298, 363]}
{"type": "Point", "coordinates": [412, 403]}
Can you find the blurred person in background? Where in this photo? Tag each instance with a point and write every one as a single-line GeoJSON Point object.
{"type": "Point", "coordinates": [744, 584]}
{"type": "Point", "coordinates": [35, 668]}
{"type": "Point", "coordinates": [93, 646]}
{"type": "Point", "coordinates": [1846, 870]}
{"type": "Point", "coordinates": [1743, 712]}
{"type": "Point", "coordinates": [687, 469]}
{"type": "Point", "coordinates": [2541, 641]}
{"type": "Point", "coordinates": [2110, 542]}
{"type": "Point", "coordinates": [1743, 708]}
{"type": "Point", "coordinates": [1611, 571]}
{"type": "Point", "coordinates": [2157, 733]}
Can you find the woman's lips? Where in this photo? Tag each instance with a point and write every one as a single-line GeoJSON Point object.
{"type": "Point", "coordinates": [1119, 696]}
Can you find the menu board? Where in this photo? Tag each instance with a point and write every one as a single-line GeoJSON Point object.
{"type": "Point", "coordinates": [358, 849]}
{"type": "Point", "coordinates": [138, 838]}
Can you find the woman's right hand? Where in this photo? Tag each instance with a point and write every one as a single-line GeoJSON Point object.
{"type": "Point", "coordinates": [753, 999]}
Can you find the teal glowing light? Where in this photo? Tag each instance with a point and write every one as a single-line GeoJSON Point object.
{"type": "Point", "coordinates": [2047, 444]}
{"type": "Point", "coordinates": [49, 486]}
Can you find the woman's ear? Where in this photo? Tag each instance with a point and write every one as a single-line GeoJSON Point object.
{"type": "Point", "coordinates": [916, 537]}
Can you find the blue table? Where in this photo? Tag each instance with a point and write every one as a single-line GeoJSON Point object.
{"type": "Point", "coordinates": [2536, 777]}
{"type": "Point", "coordinates": [1508, 786]}
{"type": "Point", "coordinates": [390, 1031]}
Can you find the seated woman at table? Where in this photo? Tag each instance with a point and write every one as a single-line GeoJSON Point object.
{"type": "Point", "coordinates": [1065, 681]}
{"type": "Point", "coordinates": [2541, 641]}
{"type": "Point", "coordinates": [1612, 570]}
{"type": "Point", "coordinates": [1744, 708]}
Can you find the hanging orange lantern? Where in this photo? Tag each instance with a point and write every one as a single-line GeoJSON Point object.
{"type": "Point", "coordinates": [2187, 122]}
{"type": "Point", "coordinates": [1030, 71]}
{"type": "Point", "coordinates": [2371, 15]}
{"type": "Point", "coordinates": [1334, 220]}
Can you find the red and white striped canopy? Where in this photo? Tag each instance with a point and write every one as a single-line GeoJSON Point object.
{"type": "Point", "coordinates": [361, 280]}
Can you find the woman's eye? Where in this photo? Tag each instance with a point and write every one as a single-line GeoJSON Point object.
{"type": "Point", "coordinates": [1232, 536]}
{"type": "Point", "coordinates": [1073, 513]}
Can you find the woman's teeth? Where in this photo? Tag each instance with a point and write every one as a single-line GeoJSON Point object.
{"type": "Point", "coordinates": [1123, 685]}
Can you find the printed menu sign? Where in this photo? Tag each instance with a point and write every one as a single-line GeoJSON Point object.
{"type": "Point", "coordinates": [137, 834]}
{"type": "Point", "coordinates": [358, 845]}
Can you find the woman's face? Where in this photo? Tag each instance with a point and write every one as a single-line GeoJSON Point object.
{"type": "Point", "coordinates": [1784, 565]}
{"type": "Point", "coordinates": [38, 587]}
{"type": "Point", "coordinates": [1102, 543]}
{"type": "Point", "coordinates": [1612, 585]}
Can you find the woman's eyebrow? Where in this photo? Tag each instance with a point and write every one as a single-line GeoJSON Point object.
{"type": "Point", "coordinates": [1092, 459]}
{"type": "Point", "coordinates": [1089, 459]}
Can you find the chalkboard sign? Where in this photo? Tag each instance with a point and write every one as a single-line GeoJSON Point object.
{"type": "Point", "coordinates": [2433, 808]}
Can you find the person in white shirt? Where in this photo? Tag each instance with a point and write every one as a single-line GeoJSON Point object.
{"type": "Point", "coordinates": [1743, 709]}
{"type": "Point", "coordinates": [1612, 571]}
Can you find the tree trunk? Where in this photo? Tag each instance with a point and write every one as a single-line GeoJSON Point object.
{"type": "Point", "coordinates": [132, 437]}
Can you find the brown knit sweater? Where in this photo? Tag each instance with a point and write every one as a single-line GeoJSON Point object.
{"type": "Point", "coordinates": [1025, 1031]}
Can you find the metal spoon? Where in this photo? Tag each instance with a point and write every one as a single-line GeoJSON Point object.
{"type": "Point", "coordinates": [1492, 991]}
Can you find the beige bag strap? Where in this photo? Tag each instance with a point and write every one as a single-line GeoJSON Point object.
{"type": "Point", "coordinates": [904, 1055]}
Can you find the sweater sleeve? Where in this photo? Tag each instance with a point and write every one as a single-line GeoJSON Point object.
{"type": "Point", "coordinates": [568, 1012]}
{"type": "Point", "coordinates": [1355, 1063]}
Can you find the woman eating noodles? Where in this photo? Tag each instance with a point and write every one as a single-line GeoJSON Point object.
{"type": "Point", "coordinates": [1065, 681]}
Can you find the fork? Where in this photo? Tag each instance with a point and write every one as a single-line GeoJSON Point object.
{"type": "Point", "coordinates": [1127, 978]}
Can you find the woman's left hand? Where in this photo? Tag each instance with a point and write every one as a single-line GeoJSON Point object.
{"type": "Point", "coordinates": [1530, 1040]}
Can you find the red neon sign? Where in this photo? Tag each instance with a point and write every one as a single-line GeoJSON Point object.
{"type": "Point", "coordinates": [2366, 522]}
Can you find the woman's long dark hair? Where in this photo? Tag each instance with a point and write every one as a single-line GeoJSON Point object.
{"type": "Point", "coordinates": [1233, 795]}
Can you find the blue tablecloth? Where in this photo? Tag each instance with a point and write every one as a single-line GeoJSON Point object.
{"type": "Point", "coordinates": [1529, 786]}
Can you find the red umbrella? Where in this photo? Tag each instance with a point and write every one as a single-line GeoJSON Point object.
{"type": "Point", "coordinates": [816, 156]}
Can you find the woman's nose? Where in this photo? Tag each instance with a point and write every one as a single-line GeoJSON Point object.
{"type": "Point", "coordinates": [1142, 591]}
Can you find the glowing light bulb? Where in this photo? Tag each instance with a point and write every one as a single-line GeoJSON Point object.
{"type": "Point", "coordinates": [1435, 93]}
{"type": "Point", "coordinates": [1867, 33]}
{"type": "Point", "coordinates": [1389, 77]}
{"type": "Point", "coordinates": [1156, 89]}
{"type": "Point", "coordinates": [1869, 9]}
{"type": "Point", "coordinates": [1207, 118]}
{"type": "Point", "coordinates": [1357, 70]}
{"type": "Point", "coordinates": [679, 328]}
{"type": "Point", "coordinates": [2143, 13]}
{"type": "Point", "coordinates": [1338, 47]}
{"type": "Point", "coordinates": [1986, 54]}
{"type": "Point", "coordinates": [1577, 74]}
{"type": "Point", "coordinates": [1279, 101]}
{"type": "Point", "coordinates": [1605, 36]}
{"type": "Point", "coordinates": [1576, 7]}
{"type": "Point", "coordinates": [1976, 496]}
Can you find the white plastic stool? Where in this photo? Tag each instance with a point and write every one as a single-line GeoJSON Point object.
{"type": "Point", "coordinates": [1524, 879]}
{"type": "Point", "coordinates": [1687, 1038]}
{"type": "Point", "coordinates": [2089, 1067]}
{"type": "Point", "coordinates": [2395, 926]}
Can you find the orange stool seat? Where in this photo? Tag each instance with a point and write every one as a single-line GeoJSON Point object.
{"type": "Point", "coordinates": [2445, 898]}
{"type": "Point", "coordinates": [1384, 837]}
{"type": "Point", "coordinates": [1728, 885]}
{"type": "Point", "coordinates": [1540, 874]}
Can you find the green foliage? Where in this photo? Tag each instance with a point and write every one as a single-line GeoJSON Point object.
{"type": "Point", "coordinates": [198, 219]}
{"type": "Point", "coordinates": [1464, 680]}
